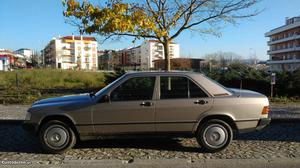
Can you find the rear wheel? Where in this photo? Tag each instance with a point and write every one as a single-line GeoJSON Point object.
{"type": "Point", "coordinates": [214, 135]}
{"type": "Point", "coordinates": [57, 137]}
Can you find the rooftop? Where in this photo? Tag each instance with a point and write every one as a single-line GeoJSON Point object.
{"type": "Point", "coordinates": [290, 23]}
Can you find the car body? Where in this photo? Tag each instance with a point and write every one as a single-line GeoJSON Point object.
{"type": "Point", "coordinates": [151, 103]}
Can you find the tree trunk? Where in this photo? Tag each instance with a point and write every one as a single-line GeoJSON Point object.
{"type": "Point", "coordinates": [167, 56]}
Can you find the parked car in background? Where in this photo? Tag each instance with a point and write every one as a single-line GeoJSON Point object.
{"type": "Point", "coordinates": [151, 103]}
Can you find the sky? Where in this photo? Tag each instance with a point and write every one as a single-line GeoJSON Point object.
{"type": "Point", "coordinates": [33, 23]}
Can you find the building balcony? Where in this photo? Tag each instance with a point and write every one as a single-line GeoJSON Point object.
{"type": "Point", "coordinates": [67, 55]}
{"type": "Point", "coordinates": [87, 48]}
{"type": "Point", "coordinates": [69, 62]}
{"type": "Point", "coordinates": [68, 59]}
{"type": "Point", "coordinates": [68, 48]}
{"type": "Point", "coordinates": [294, 37]}
{"type": "Point", "coordinates": [289, 61]}
{"type": "Point", "coordinates": [283, 50]}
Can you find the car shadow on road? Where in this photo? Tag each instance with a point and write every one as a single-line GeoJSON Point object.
{"type": "Point", "coordinates": [153, 143]}
{"type": "Point", "coordinates": [14, 139]}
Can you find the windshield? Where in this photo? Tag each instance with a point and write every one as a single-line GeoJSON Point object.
{"type": "Point", "coordinates": [100, 92]}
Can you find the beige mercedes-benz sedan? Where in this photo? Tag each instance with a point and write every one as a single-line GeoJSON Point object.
{"type": "Point", "coordinates": [150, 103]}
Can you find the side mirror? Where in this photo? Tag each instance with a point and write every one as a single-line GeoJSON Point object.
{"type": "Point", "coordinates": [104, 99]}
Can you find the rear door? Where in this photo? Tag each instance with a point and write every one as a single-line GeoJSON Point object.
{"type": "Point", "coordinates": [180, 103]}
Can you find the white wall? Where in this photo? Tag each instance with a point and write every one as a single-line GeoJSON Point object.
{"type": "Point", "coordinates": [3, 65]}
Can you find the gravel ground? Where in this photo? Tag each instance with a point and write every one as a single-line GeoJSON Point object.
{"type": "Point", "coordinates": [280, 140]}
{"type": "Point", "coordinates": [13, 112]}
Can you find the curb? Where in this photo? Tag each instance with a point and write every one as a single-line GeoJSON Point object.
{"type": "Point", "coordinates": [169, 163]}
{"type": "Point", "coordinates": [184, 163]}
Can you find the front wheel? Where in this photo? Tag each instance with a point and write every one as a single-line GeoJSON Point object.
{"type": "Point", "coordinates": [57, 137]}
{"type": "Point", "coordinates": [214, 135]}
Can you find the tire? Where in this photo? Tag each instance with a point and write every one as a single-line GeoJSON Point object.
{"type": "Point", "coordinates": [57, 137]}
{"type": "Point", "coordinates": [214, 135]}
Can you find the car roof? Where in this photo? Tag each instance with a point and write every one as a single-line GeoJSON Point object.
{"type": "Point", "coordinates": [211, 86]}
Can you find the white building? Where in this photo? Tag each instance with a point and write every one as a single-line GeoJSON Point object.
{"type": "Point", "coordinates": [154, 50]}
{"type": "Point", "coordinates": [284, 46]}
{"type": "Point", "coordinates": [71, 52]}
{"type": "Point", "coordinates": [27, 53]}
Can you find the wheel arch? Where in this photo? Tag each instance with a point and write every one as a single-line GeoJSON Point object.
{"type": "Point", "coordinates": [63, 118]}
{"type": "Point", "coordinates": [226, 118]}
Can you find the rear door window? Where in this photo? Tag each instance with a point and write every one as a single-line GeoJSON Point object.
{"type": "Point", "coordinates": [175, 87]}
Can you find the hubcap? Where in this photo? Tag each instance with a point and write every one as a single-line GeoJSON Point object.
{"type": "Point", "coordinates": [56, 136]}
{"type": "Point", "coordinates": [215, 136]}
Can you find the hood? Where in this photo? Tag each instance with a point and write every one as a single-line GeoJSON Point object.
{"type": "Point", "coordinates": [63, 99]}
{"type": "Point", "coordinates": [245, 93]}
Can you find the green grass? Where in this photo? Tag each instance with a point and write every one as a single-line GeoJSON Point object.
{"type": "Point", "coordinates": [52, 78]}
{"type": "Point", "coordinates": [25, 86]}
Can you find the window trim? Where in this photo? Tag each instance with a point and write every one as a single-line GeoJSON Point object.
{"type": "Point", "coordinates": [189, 79]}
{"type": "Point", "coordinates": [128, 78]}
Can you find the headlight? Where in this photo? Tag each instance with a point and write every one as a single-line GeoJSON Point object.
{"type": "Point", "coordinates": [28, 116]}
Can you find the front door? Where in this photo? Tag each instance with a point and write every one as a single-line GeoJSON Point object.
{"type": "Point", "coordinates": [181, 103]}
{"type": "Point", "coordinates": [131, 108]}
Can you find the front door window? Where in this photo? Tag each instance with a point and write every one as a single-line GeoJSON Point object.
{"type": "Point", "coordinates": [138, 88]}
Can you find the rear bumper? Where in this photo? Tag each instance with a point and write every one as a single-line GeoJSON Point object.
{"type": "Point", "coordinates": [262, 123]}
{"type": "Point", "coordinates": [259, 125]}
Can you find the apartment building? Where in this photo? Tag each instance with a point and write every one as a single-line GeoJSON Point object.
{"type": "Point", "coordinates": [71, 52]}
{"type": "Point", "coordinates": [141, 57]}
{"type": "Point", "coordinates": [154, 50]}
{"type": "Point", "coordinates": [284, 43]}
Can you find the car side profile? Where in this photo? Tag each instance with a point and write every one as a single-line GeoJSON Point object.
{"type": "Point", "coordinates": [150, 103]}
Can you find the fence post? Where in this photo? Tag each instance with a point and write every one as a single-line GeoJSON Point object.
{"type": "Point", "coordinates": [17, 85]}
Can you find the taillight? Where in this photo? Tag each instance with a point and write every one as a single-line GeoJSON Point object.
{"type": "Point", "coordinates": [265, 110]}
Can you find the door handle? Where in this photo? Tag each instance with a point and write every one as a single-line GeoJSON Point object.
{"type": "Point", "coordinates": [146, 104]}
{"type": "Point", "coordinates": [201, 102]}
